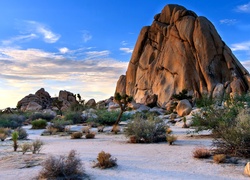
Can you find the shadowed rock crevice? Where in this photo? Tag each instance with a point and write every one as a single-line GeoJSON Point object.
{"type": "Point", "coordinates": [181, 50]}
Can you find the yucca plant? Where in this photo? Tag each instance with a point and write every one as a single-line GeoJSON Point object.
{"type": "Point", "coordinates": [14, 139]}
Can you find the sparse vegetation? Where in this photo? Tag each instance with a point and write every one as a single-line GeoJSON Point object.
{"type": "Point", "coordinates": [26, 147]}
{"type": "Point", "coordinates": [22, 133]}
{"type": "Point", "coordinates": [90, 135]}
{"type": "Point", "coordinates": [39, 124]}
{"type": "Point", "coordinates": [146, 129]}
{"type": "Point", "coordinates": [12, 121]}
{"type": "Point", "coordinates": [63, 167]}
{"type": "Point", "coordinates": [105, 160]}
{"type": "Point", "coordinates": [76, 135]}
{"type": "Point", "coordinates": [4, 133]}
{"type": "Point", "coordinates": [39, 115]}
{"type": "Point", "coordinates": [201, 152]}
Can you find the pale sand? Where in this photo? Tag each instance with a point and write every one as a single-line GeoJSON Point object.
{"type": "Point", "coordinates": [135, 161]}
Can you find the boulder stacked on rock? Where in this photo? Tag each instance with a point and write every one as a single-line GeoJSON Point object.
{"type": "Point", "coordinates": [181, 50]}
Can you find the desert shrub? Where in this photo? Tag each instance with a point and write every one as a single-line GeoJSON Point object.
{"type": "Point", "coordinates": [219, 158]}
{"type": "Point", "coordinates": [22, 133]}
{"type": "Point", "coordinates": [39, 124]}
{"type": "Point", "coordinates": [63, 167]}
{"type": "Point", "coordinates": [3, 136]}
{"type": "Point", "coordinates": [77, 107]}
{"type": "Point", "coordinates": [230, 126]}
{"type": "Point", "coordinates": [146, 129]}
{"type": "Point", "coordinates": [14, 139]}
{"type": "Point", "coordinates": [204, 101]}
{"type": "Point", "coordinates": [201, 153]}
{"type": "Point", "coordinates": [39, 115]}
{"type": "Point", "coordinates": [105, 160]}
{"type": "Point", "coordinates": [60, 124]}
{"type": "Point", "coordinates": [171, 139]}
{"type": "Point", "coordinates": [12, 121]}
{"type": "Point", "coordinates": [4, 133]}
{"type": "Point", "coordinates": [37, 146]}
{"type": "Point", "coordinates": [182, 95]}
{"type": "Point", "coordinates": [75, 117]}
{"type": "Point", "coordinates": [76, 135]}
{"type": "Point", "coordinates": [105, 117]}
{"type": "Point", "coordinates": [86, 130]}
{"type": "Point", "coordinates": [26, 147]}
{"type": "Point", "coordinates": [90, 135]}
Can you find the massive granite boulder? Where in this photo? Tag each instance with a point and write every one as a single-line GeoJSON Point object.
{"type": "Point", "coordinates": [181, 50]}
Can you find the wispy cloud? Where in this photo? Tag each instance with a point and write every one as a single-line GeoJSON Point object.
{"type": "Point", "coordinates": [126, 50]}
{"type": "Point", "coordinates": [97, 54]}
{"type": "Point", "coordinates": [86, 36]}
{"type": "Point", "coordinates": [124, 43]}
{"type": "Point", "coordinates": [40, 29]}
{"type": "Point", "coordinates": [243, 46]}
{"type": "Point", "coordinates": [228, 21]}
{"type": "Point", "coordinates": [245, 8]}
{"type": "Point", "coordinates": [20, 38]}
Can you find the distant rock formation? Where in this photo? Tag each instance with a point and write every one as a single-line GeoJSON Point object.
{"type": "Point", "coordinates": [181, 50]}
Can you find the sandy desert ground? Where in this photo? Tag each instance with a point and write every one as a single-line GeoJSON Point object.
{"type": "Point", "coordinates": [135, 161]}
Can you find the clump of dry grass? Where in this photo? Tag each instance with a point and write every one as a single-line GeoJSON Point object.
{"type": "Point", "coordinates": [105, 160]}
{"type": "Point", "coordinates": [26, 147]}
{"type": "Point", "coordinates": [37, 146]}
{"type": "Point", "coordinates": [201, 153]}
{"type": "Point", "coordinates": [76, 135]}
{"type": "Point", "coordinates": [86, 129]}
{"type": "Point", "coordinates": [4, 133]}
{"type": "Point", "coordinates": [171, 139]}
{"type": "Point", "coordinates": [219, 158]}
{"type": "Point", "coordinates": [90, 135]}
{"type": "Point", "coordinates": [63, 167]}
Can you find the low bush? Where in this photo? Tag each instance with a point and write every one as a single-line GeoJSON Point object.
{"type": "Point", "coordinates": [60, 124]}
{"type": "Point", "coordinates": [171, 139]}
{"type": "Point", "coordinates": [63, 167]}
{"type": "Point", "coordinates": [105, 117]}
{"type": "Point", "coordinates": [105, 160]}
{"type": "Point", "coordinates": [39, 124]}
{"type": "Point", "coordinates": [12, 121]}
{"type": "Point", "coordinates": [26, 147]}
{"type": "Point", "coordinates": [4, 133]}
{"type": "Point", "coordinates": [90, 135]}
{"type": "Point", "coordinates": [37, 146]}
{"type": "Point", "coordinates": [76, 135]}
{"type": "Point", "coordinates": [74, 117]}
{"type": "Point", "coordinates": [146, 128]}
{"type": "Point", "coordinates": [22, 133]}
{"type": "Point", "coordinates": [39, 115]}
{"type": "Point", "coordinates": [201, 153]}
{"type": "Point", "coordinates": [219, 158]}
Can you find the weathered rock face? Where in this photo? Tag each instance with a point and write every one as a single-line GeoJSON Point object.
{"type": "Point", "coordinates": [68, 99]}
{"type": "Point", "coordinates": [181, 51]}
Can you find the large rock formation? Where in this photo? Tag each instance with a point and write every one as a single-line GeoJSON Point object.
{"type": "Point", "coordinates": [181, 50]}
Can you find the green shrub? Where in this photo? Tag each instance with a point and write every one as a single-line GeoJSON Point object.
{"type": "Point", "coordinates": [14, 139]}
{"type": "Point", "coordinates": [60, 124]}
{"type": "Point", "coordinates": [39, 124]}
{"type": "Point", "coordinates": [39, 115]}
{"type": "Point", "coordinates": [75, 117]}
{"type": "Point", "coordinates": [76, 135]}
{"type": "Point", "coordinates": [22, 133]}
{"type": "Point", "coordinates": [149, 129]}
{"type": "Point", "coordinates": [77, 107]}
{"type": "Point", "coordinates": [105, 160]}
{"type": "Point", "coordinates": [63, 167]}
{"type": "Point", "coordinates": [105, 117]}
{"type": "Point", "coordinates": [12, 121]}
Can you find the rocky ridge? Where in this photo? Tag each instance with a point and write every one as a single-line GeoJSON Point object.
{"type": "Point", "coordinates": [181, 50]}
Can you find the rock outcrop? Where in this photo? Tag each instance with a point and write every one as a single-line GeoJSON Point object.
{"type": "Point", "coordinates": [181, 50]}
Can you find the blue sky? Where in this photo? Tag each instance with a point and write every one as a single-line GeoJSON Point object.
{"type": "Point", "coordinates": [83, 46]}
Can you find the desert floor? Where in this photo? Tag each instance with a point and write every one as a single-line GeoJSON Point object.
{"type": "Point", "coordinates": [135, 161]}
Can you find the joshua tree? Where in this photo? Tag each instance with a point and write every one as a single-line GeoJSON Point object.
{"type": "Point", "coordinates": [59, 104]}
{"type": "Point", "coordinates": [123, 101]}
{"type": "Point", "coordinates": [14, 139]}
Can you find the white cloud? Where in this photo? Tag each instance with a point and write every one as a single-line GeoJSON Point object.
{"type": "Point", "coordinates": [26, 71]}
{"type": "Point", "coordinates": [97, 54]}
{"type": "Point", "coordinates": [45, 32]}
{"type": "Point", "coordinates": [124, 43]}
{"type": "Point", "coordinates": [244, 46]}
{"type": "Point", "coordinates": [244, 8]}
{"type": "Point", "coordinates": [64, 50]}
{"type": "Point", "coordinates": [86, 36]}
{"type": "Point", "coordinates": [228, 21]}
{"type": "Point", "coordinates": [126, 50]}
{"type": "Point", "coordinates": [20, 38]}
